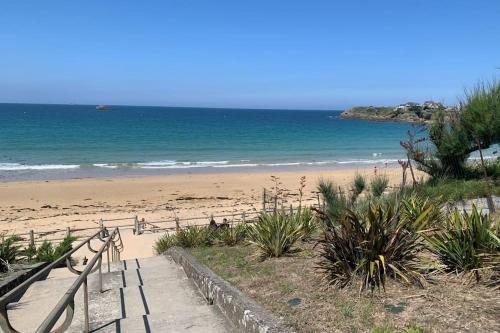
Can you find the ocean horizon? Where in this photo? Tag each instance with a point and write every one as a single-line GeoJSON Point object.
{"type": "Point", "coordinates": [45, 141]}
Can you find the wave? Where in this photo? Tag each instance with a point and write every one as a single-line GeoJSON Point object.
{"type": "Point", "coordinates": [21, 167]}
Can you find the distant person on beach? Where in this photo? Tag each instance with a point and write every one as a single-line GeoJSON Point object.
{"type": "Point", "coordinates": [224, 224]}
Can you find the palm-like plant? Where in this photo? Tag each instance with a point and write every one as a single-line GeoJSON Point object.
{"type": "Point", "coordinates": [276, 233]}
{"type": "Point", "coordinates": [372, 246]}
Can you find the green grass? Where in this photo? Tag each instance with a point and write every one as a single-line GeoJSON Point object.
{"type": "Point", "coordinates": [452, 190]}
{"type": "Point", "coordinates": [231, 263]}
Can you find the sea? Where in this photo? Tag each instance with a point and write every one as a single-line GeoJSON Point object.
{"type": "Point", "coordinates": [41, 141]}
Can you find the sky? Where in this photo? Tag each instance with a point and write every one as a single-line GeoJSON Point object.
{"type": "Point", "coordinates": [249, 54]}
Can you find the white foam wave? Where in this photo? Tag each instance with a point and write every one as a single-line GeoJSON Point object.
{"type": "Point", "coordinates": [381, 161]}
{"type": "Point", "coordinates": [21, 167]}
{"type": "Point", "coordinates": [105, 165]}
{"type": "Point", "coordinates": [157, 163]}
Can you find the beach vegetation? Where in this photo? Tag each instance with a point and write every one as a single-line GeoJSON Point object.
{"type": "Point", "coordinates": [164, 243]}
{"type": "Point", "coordinates": [9, 251]}
{"type": "Point", "coordinates": [371, 247]}
{"type": "Point", "coordinates": [47, 252]}
{"type": "Point", "coordinates": [335, 202]}
{"type": "Point", "coordinates": [276, 233]}
{"type": "Point", "coordinates": [467, 241]}
{"type": "Point", "coordinates": [454, 135]}
{"type": "Point", "coordinates": [358, 186]}
{"type": "Point", "coordinates": [451, 190]}
{"type": "Point", "coordinates": [231, 235]}
{"type": "Point", "coordinates": [414, 205]}
{"type": "Point", "coordinates": [378, 185]}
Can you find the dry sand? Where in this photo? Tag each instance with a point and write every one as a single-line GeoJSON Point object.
{"type": "Point", "coordinates": [80, 203]}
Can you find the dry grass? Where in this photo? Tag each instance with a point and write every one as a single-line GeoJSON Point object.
{"type": "Point", "coordinates": [445, 305]}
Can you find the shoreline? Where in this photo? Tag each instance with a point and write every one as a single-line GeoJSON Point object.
{"type": "Point", "coordinates": [130, 172]}
{"type": "Point", "coordinates": [56, 204]}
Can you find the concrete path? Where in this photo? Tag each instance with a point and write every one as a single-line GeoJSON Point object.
{"type": "Point", "coordinates": [141, 295]}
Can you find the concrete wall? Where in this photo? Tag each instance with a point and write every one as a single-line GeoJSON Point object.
{"type": "Point", "coordinates": [245, 314]}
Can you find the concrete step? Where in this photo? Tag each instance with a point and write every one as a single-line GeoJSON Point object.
{"type": "Point", "coordinates": [143, 295]}
{"type": "Point", "coordinates": [163, 323]}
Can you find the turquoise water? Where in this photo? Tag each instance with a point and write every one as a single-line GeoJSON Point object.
{"type": "Point", "coordinates": [78, 141]}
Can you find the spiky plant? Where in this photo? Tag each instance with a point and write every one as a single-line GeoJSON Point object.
{"type": "Point", "coordinates": [195, 236]}
{"type": "Point", "coordinates": [9, 251]}
{"type": "Point", "coordinates": [467, 242]}
{"type": "Point", "coordinates": [371, 247]}
{"type": "Point", "coordinates": [164, 243]}
{"type": "Point", "coordinates": [276, 233]}
{"type": "Point", "coordinates": [413, 205]}
{"type": "Point", "coordinates": [378, 185]}
{"type": "Point", "coordinates": [232, 234]}
{"type": "Point", "coordinates": [335, 202]}
{"type": "Point", "coordinates": [358, 186]}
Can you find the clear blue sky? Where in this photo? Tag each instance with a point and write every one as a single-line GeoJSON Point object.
{"type": "Point", "coordinates": [254, 53]}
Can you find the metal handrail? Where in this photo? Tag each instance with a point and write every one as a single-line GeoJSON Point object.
{"type": "Point", "coordinates": [112, 242]}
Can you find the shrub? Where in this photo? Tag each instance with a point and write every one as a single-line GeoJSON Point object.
{"type": "Point", "coordinates": [9, 251]}
{"type": "Point", "coordinates": [414, 205]}
{"type": "Point", "coordinates": [466, 241]}
{"type": "Point", "coordinates": [358, 186]}
{"type": "Point", "coordinates": [195, 236]}
{"type": "Point", "coordinates": [276, 233]}
{"type": "Point", "coordinates": [232, 234]}
{"type": "Point", "coordinates": [335, 202]}
{"type": "Point", "coordinates": [378, 185]}
{"type": "Point", "coordinates": [372, 246]}
{"type": "Point", "coordinates": [164, 243]}
{"type": "Point", "coordinates": [48, 253]}
{"type": "Point", "coordinates": [451, 190]}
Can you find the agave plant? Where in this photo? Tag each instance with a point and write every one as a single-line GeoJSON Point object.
{"type": "Point", "coordinates": [468, 242]}
{"type": "Point", "coordinates": [276, 233]}
{"type": "Point", "coordinates": [372, 246]}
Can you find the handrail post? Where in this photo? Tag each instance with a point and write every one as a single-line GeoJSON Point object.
{"type": "Point", "coordinates": [85, 306]}
{"type": "Point", "coordinates": [136, 225]}
{"type": "Point", "coordinates": [100, 274]}
{"type": "Point", "coordinates": [107, 254]}
{"type": "Point", "coordinates": [68, 231]}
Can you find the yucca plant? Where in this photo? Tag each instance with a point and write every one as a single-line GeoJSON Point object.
{"type": "Point", "coordinates": [276, 233]}
{"type": "Point", "coordinates": [372, 247]}
{"type": "Point", "coordinates": [232, 234]}
{"type": "Point", "coordinates": [413, 205]}
{"type": "Point", "coordinates": [467, 242]}
{"type": "Point", "coordinates": [9, 251]}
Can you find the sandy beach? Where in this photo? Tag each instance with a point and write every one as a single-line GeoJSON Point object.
{"type": "Point", "coordinates": [79, 203]}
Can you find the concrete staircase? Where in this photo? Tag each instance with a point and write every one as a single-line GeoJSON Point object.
{"type": "Point", "coordinates": [141, 295]}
